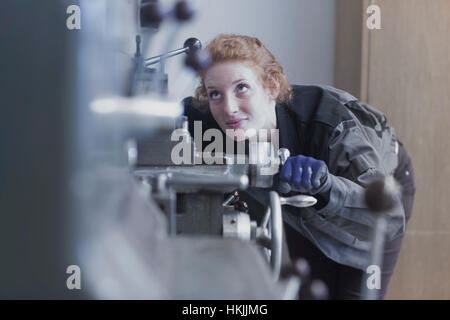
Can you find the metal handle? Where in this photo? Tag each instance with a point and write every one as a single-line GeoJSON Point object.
{"type": "Point", "coordinates": [189, 44]}
{"type": "Point", "coordinates": [380, 196]}
{"type": "Point", "coordinates": [299, 201]}
{"type": "Point", "coordinates": [274, 215]}
{"type": "Point", "coordinates": [276, 220]}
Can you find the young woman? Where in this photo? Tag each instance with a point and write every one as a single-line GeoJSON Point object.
{"type": "Point", "coordinates": [337, 145]}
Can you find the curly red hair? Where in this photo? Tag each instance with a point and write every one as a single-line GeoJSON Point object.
{"type": "Point", "coordinates": [232, 47]}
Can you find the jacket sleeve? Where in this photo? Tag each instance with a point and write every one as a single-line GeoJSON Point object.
{"type": "Point", "coordinates": [358, 154]}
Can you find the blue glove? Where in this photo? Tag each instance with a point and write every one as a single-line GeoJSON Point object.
{"type": "Point", "coordinates": [306, 174]}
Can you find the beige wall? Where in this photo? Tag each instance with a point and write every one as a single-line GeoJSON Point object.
{"type": "Point", "coordinates": [404, 70]}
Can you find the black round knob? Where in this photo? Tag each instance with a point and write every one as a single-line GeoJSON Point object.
{"type": "Point", "coordinates": [151, 15]}
{"type": "Point", "coordinates": [198, 60]}
{"type": "Point", "coordinates": [183, 11]}
{"type": "Point", "coordinates": [193, 44]}
{"type": "Point", "coordinates": [318, 290]}
{"type": "Point", "coordinates": [382, 194]}
{"type": "Point", "coordinates": [302, 268]}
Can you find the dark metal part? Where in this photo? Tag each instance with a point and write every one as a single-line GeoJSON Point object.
{"type": "Point", "coordinates": [199, 213]}
{"type": "Point", "coordinates": [231, 198]}
{"type": "Point", "coordinates": [241, 205]}
{"type": "Point", "coordinates": [191, 44]}
{"type": "Point", "coordinates": [198, 60]}
{"type": "Point", "coordinates": [183, 11]}
{"type": "Point", "coordinates": [151, 15]}
{"type": "Point", "coordinates": [381, 196]}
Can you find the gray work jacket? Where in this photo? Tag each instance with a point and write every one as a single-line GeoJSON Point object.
{"type": "Point", "coordinates": [356, 143]}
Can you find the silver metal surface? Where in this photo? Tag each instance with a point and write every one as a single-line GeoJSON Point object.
{"type": "Point", "coordinates": [156, 59]}
{"type": "Point", "coordinates": [283, 154]}
{"type": "Point", "coordinates": [236, 225]}
{"type": "Point", "coordinates": [266, 218]}
{"type": "Point", "coordinates": [276, 233]}
{"type": "Point", "coordinates": [132, 152]}
{"type": "Point", "coordinates": [299, 201]}
{"type": "Point", "coordinates": [179, 181]}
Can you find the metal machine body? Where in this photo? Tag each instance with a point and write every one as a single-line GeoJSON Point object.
{"type": "Point", "coordinates": [156, 232]}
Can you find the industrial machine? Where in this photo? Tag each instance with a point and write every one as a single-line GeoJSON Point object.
{"type": "Point", "coordinates": [88, 178]}
{"type": "Point", "coordinates": [102, 193]}
{"type": "Point", "coordinates": [198, 203]}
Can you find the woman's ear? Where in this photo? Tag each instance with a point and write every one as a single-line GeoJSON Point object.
{"type": "Point", "coordinates": [274, 89]}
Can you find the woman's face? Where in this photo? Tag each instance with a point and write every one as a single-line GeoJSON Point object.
{"type": "Point", "coordinates": [238, 100]}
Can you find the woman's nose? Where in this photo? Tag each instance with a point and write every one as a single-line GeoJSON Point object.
{"type": "Point", "coordinates": [231, 105]}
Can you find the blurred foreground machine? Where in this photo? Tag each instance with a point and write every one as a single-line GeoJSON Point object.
{"type": "Point", "coordinates": [129, 247]}
{"type": "Point", "coordinates": [87, 177]}
{"type": "Point", "coordinates": [159, 232]}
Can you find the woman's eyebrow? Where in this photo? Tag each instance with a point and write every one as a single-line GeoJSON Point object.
{"type": "Point", "coordinates": [234, 82]}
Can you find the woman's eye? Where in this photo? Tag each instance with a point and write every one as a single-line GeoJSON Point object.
{"type": "Point", "coordinates": [242, 88]}
{"type": "Point", "coordinates": [214, 95]}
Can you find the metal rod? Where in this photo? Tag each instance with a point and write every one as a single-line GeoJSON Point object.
{"type": "Point", "coordinates": [277, 233]}
{"type": "Point", "coordinates": [230, 199]}
{"type": "Point", "coordinates": [208, 182]}
{"type": "Point", "coordinates": [266, 218]}
{"type": "Point", "coordinates": [156, 59]}
{"type": "Point", "coordinates": [172, 208]}
{"type": "Point", "coordinates": [376, 253]}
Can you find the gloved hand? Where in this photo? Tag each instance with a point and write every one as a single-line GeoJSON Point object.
{"type": "Point", "coordinates": [306, 174]}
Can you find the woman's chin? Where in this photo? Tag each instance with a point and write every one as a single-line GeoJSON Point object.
{"type": "Point", "coordinates": [240, 134]}
{"type": "Point", "coordinates": [241, 137]}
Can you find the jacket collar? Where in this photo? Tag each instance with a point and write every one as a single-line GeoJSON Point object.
{"type": "Point", "coordinates": [288, 133]}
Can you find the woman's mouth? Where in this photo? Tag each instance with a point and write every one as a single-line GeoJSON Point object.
{"type": "Point", "coordinates": [235, 123]}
